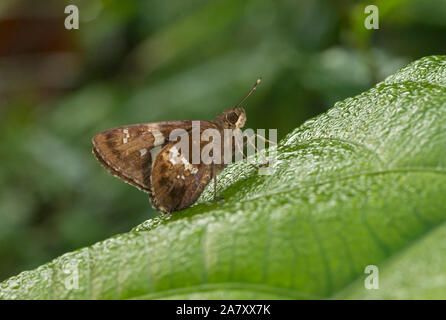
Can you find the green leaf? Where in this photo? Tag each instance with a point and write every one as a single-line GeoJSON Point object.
{"type": "Point", "coordinates": [363, 184]}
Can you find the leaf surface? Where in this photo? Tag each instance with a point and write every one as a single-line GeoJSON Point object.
{"type": "Point", "coordinates": [363, 184]}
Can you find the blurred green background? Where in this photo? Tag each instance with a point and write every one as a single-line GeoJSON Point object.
{"type": "Point", "coordinates": [139, 61]}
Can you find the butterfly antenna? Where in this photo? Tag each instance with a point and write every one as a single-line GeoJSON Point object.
{"type": "Point", "coordinates": [250, 92]}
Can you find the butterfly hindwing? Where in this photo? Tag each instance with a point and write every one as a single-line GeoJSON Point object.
{"type": "Point", "coordinates": [176, 182]}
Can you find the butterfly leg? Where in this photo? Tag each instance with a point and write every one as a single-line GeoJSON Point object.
{"type": "Point", "coordinates": [246, 158]}
{"type": "Point", "coordinates": [255, 166]}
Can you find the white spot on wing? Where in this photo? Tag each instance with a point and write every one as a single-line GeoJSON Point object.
{"type": "Point", "coordinates": [143, 151]}
{"type": "Point", "coordinates": [127, 136]}
{"type": "Point", "coordinates": [159, 138]}
{"type": "Point", "coordinates": [173, 155]}
{"type": "Point", "coordinates": [188, 166]}
{"type": "Point", "coordinates": [194, 170]}
{"type": "Point", "coordinates": [175, 158]}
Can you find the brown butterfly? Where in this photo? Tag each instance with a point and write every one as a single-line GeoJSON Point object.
{"type": "Point", "coordinates": [141, 155]}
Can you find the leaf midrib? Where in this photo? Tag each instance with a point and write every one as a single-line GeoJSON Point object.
{"type": "Point", "coordinates": [217, 286]}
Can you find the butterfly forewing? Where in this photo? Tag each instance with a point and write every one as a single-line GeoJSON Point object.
{"type": "Point", "coordinates": [128, 152]}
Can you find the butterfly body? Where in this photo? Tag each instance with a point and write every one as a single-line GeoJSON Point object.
{"type": "Point", "coordinates": [141, 156]}
{"type": "Point", "coordinates": [147, 157]}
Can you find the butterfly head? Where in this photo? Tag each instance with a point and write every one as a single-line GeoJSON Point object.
{"type": "Point", "coordinates": [233, 118]}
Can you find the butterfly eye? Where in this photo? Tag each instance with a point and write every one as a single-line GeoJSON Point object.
{"type": "Point", "coordinates": [232, 117]}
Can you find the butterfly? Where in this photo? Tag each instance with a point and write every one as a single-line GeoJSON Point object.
{"type": "Point", "coordinates": [141, 155]}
